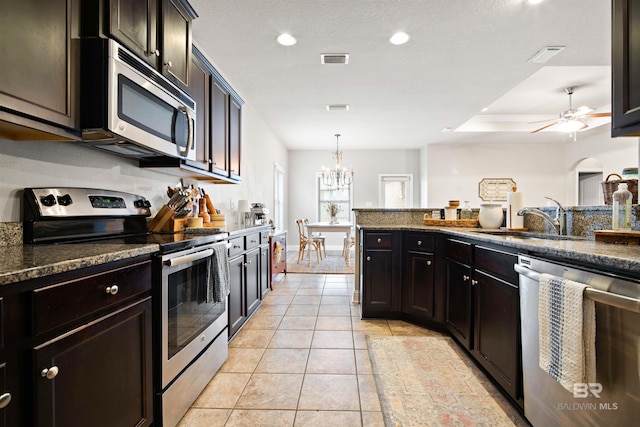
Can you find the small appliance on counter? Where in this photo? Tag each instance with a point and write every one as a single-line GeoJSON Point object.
{"type": "Point", "coordinates": [259, 214]}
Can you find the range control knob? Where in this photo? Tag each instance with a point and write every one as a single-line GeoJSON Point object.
{"type": "Point", "coordinates": [65, 200]}
{"type": "Point", "coordinates": [142, 203]}
{"type": "Point", "coordinates": [48, 200]}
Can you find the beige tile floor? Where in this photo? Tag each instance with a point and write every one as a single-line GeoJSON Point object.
{"type": "Point", "coordinates": [301, 360]}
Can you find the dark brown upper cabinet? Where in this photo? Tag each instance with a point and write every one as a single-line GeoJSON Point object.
{"type": "Point", "coordinates": [218, 134]}
{"type": "Point", "coordinates": [40, 57]}
{"type": "Point", "coordinates": [625, 117]}
{"type": "Point", "coordinates": [158, 31]}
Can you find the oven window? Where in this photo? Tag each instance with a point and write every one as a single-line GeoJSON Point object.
{"type": "Point", "coordinates": [143, 109]}
{"type": "Point", "coordinates": [189, 313]}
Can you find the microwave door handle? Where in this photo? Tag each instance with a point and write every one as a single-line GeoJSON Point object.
{"type": "Point", "coordinates": [188, 258]}
{"type": "Point", "coordinates": [190, 138]}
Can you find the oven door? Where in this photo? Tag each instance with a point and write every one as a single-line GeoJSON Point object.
{"type": "Point", "coordinates": [189, 323]}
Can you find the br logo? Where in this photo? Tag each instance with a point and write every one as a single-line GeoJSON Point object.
{"type": "Point", "coordinates": [583, 390]}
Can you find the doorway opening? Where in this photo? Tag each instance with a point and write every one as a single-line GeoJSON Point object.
{"type": "Point", "coordinates": [395, 190]}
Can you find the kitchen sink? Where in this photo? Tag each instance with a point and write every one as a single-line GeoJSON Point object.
{"type": "Point", "coordinates": [528, 235]}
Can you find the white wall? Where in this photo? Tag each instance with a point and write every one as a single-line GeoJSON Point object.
{"type": "Point", "coordinates": [367, 164]}
{"type": "Point", "coordinates": [41, 164]}
{"type": "Point", "coordinates": [453, 171]}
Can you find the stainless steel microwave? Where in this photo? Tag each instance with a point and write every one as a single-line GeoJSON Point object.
{"type": "Point", "coordinates": [130, 109]}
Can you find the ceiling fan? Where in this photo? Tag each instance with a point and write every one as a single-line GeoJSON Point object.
{"type": "Point", "coordinates": [571, 120]}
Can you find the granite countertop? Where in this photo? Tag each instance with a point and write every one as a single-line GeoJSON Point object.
{"type": "Point", "coordinates": [24, 262]}
{"type": "Point", "coordinates": [622, 257]}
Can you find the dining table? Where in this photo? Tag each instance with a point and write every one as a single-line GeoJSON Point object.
{"type": "Point", "coordinates": [329, 227]}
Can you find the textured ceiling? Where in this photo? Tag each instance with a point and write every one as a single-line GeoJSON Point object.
{"type": "Point", "coordinates": [464, 55]}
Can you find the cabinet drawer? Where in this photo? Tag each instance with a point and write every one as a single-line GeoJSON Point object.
{"type": "Point", "coordinates": [378, 240]}
{"type": "Point", "coordinates": [56, 305]}
{"type": "Point", "coordinates": [458, 250]}
{"type": "Point", "coordinates": [419, 242]}
{"type": "Point", "coordinates": [236, 246]}
{"type": "Point", "coordinates": [264, 237]}
{"type": "Point", "coordinates": [252, 241]}
{"type": "Point", "coordinates": [496, 262]}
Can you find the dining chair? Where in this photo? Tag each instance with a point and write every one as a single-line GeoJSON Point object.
{"type": "Point", "coordinates": [304, 241]}
{"type": "Point", "coordinates": [319, 238]}
{"type": "Point", "coordinates": [348, 243]}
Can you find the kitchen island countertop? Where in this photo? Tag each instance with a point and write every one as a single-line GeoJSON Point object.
{"type": "Point", "coordinates": [619, 257]}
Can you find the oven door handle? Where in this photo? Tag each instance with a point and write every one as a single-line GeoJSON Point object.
{"type": "Point", "coordinates": [188, 258]}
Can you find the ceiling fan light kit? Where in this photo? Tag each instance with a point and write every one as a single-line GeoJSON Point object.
{"type": "Point", "coordinates": [570, 121]}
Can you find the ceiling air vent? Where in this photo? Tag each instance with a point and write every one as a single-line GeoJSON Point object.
{"type": "Point", "coordinates": [334, 58]}
{"type": "Point", "coordinates": [338, 107]}
{"type": "Point", "coordinates": [545, 54]}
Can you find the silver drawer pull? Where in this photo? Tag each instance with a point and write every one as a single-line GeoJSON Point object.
{"type": "Point", "coordinates": [368, 258]}
{"type": "Point", "coordinates": [247, 263]}
{"type": "Point", "coordinates": [428, 262]}
{"type": "Point", "coordinates": [465, 277]}
{"type": "Point", "coordinates": [237, 246]}
{"type": "Point", "coordinates": [112, 290]}
{"type": "Point", "coordinates": [474, 282]}
{"type": "Point", "coordinates": [5, 399]}
{"type": "Point", "coordinates": [419, 242]}
{"type": "Point", "coordinates": [254, 241]}
{"type": "Point", "coordinates": [379, 240]}
{"type": "Point", "coordinates": [50, 373]}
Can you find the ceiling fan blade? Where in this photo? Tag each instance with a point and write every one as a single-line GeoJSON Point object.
{"type": "Point", "coordinates": [544, 127]}
{"type": "Point", "coordinates": [598, 115]}
{"type": "Point", "coordinates": [542, 121]}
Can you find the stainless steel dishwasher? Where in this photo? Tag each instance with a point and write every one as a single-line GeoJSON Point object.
{"type": "Point", "coordinates": [614, 399]}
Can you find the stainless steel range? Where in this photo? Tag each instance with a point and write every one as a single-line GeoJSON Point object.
{"type": "Point", "coordinates": [190, 321]}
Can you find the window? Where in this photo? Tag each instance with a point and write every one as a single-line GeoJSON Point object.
{"type": "Point", "coordinates": [342, 196]}
{"type": "Point", "coordinates": [395, 190]}
{"type": "Point", "coordinates": [278, 196]}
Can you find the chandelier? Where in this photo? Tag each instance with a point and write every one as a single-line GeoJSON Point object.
{"type": "Point", "coordinates": [338, 176]}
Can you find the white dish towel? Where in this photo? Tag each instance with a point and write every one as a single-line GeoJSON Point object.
{"type": "Point", "coordinates": [567, 331]}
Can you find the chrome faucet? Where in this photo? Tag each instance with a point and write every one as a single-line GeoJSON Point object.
{"type": "Point", "coordinates": [559, 222]}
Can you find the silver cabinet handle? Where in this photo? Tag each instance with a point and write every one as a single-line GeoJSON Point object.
{"type": "Point", "coordinates": [168, 64]}
{"type": "Point", "coordinates": [419, 242]}
{"type": "Point", "coordinates": [465, 277]}
{"type": "Point", "coordinates": [368, 258]}
{"type": "Point", "coordinates": [247, 263]}
{"type": "Point", "coordinates": [5, 399]}
{"type": "Point", "coordinates": [254, 241]}
{"type": "Point", "coordinates": [50, 373]}
{"type": "Point", "coordinates": [474, 282]}
{"type": "Point", "coordinates": [379, 240]}
{"type": "Point", "coordinates": [112, 290]}
{"type": "Point", "coordinates": [237, 246]}
{"type": "Point", "coordinates": [428, 262]}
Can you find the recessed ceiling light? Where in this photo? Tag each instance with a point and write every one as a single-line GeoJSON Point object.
{"type": "Point", "coordinates": [286, 39]}
{"type": "Point", "coordinates": [399, 38]}
{"type": "Point", "coordinates": [338, 107]}
{"type": "Point", "coordinates": [447, 130]}
{"type": "Point", "coordinates": [533, 1]}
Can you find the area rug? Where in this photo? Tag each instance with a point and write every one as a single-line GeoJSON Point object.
{"type": "Point", "coordinates": [333, 263]}
{"type": "Point", "coordinates": [429, 381]}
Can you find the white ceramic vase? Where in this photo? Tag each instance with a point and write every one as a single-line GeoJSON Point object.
{"type": "Point", "coordinates": [491, 215]}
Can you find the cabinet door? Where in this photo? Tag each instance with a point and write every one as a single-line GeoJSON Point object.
{"type": "Point", "coordinates": [378, 283]}
{"type": "Point", "coordinates": [265, 271]}
{"type": "Point", "coordinates": [234, 139]}
{"type": "Point", "coordinates": [625, 119]}
{"type": "Point", "coordinates": [134, 24]}
{"type": "Point", "coordinates": [199, 86]}
{"type": "Point", "coordinates": [97, 375]}
{"type": "Point", "coordinates": [219, 128]}
{"type": "Point", "coordinates": [418, 287]}
{"type": "Point", "coordinates": [458, 308]}
{"type": "Point", "coordinates": [252, 280]}
{"type": "Point", "coordinates": [39, 61]}
{"type": "Point", "coordinates": [176, 42]}
{"type": "Point", "coordinates": [497, 327]}
{"type": "Point", "coordinates": [5, 395]}
{"type": "Point", "coordinates": [237, 312]}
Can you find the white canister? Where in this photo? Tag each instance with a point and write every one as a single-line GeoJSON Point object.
{"type": "Point", "coordinates": [450, 214]}
{"type": "Point", "coordinates": [491, 215]}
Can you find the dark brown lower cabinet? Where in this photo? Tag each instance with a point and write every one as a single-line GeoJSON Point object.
{"type": "Point", "coordinates": [252, 280]}
{"type": "Point", "coordinates": [265, 271]}
{"type": "Point", "coordinates": [237, 311]}
{"type": "Point", "coordinates": [380, 293]}
{"type": "Point", "coordinates": [98, 374]}
{"type": "Point", "coordinates": [483, 309]}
